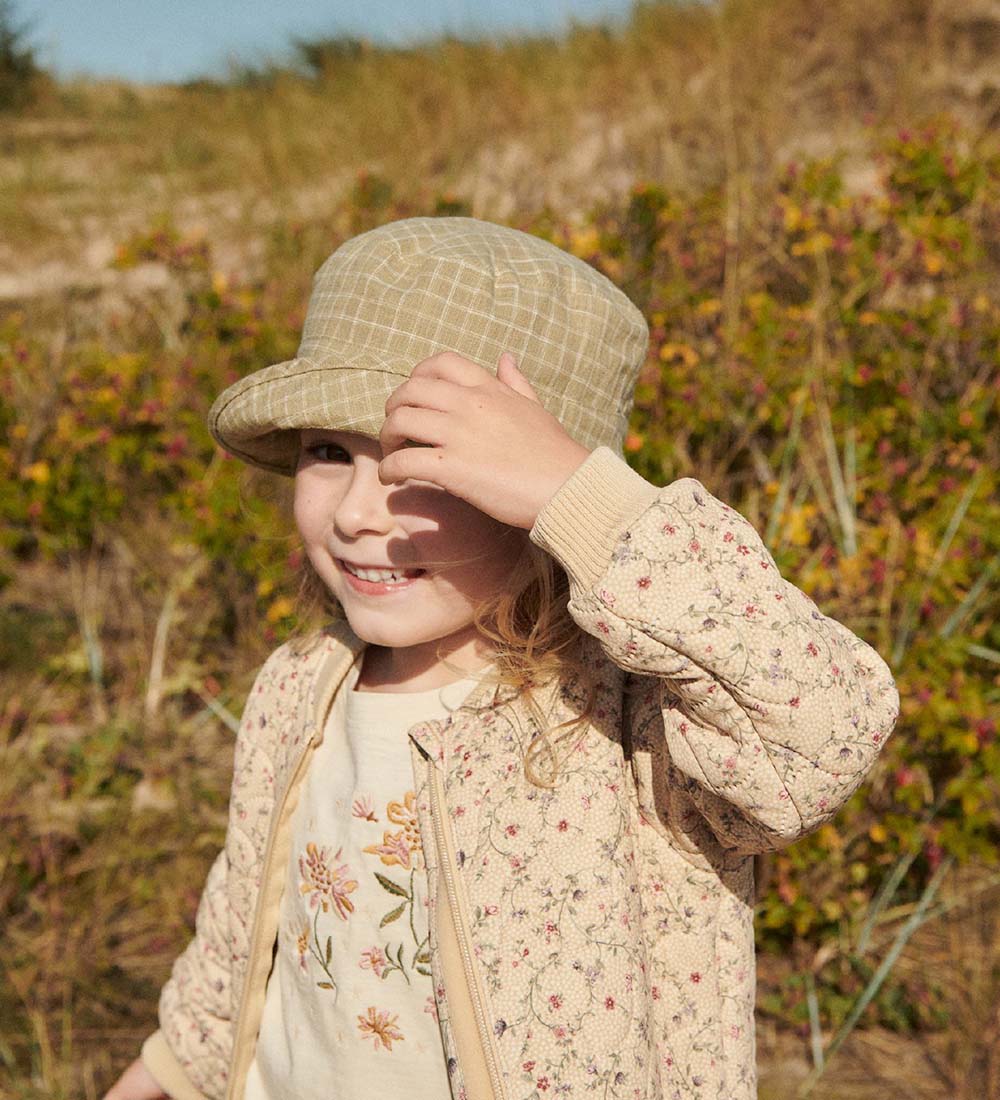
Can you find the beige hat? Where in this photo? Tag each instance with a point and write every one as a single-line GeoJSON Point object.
{"type": "Point", "coordinates": [391, 297]}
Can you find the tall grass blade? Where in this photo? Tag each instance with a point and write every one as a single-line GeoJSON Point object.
{"type": "Point", "coordinates": [956, 617]}
{"type": "Point", "coordinates": [885, 968]}
{"type": "Point", "coordinates": [911, 610]}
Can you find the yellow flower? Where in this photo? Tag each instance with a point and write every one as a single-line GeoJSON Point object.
{"type": "Point", "coordinates": [380, 1027]}
{"type": "Point", "coordinates": [38, 472]}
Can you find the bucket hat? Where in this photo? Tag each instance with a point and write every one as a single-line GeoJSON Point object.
{"type": "Point", "coordinates": [391, 297]}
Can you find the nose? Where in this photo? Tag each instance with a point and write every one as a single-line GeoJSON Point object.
{"type": "Point", "coordinates": [364, 506]}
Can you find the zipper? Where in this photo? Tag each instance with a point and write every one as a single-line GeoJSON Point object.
{"type": "Point", "coordinates": [448, 867]}
{"type": "Point", "coordinates": [259, 911]}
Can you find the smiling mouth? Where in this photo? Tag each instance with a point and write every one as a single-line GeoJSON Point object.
{"type": "Point", "coordinates": [378, 575]}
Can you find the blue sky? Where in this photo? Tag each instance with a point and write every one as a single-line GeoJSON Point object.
{"type": "Point", "coordinates": [160, 40]}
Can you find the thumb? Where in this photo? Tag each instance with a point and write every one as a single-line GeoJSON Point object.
{"type": "Point", "coordinates": [509, 373]}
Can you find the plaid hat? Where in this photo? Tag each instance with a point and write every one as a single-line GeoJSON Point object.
{"type": "Point", "coordinates": [391, 297]}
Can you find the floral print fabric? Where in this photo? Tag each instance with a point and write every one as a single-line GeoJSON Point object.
{"type": "Point", "coordinates": [732, 717]}
{"type": "Point", "coordinates": [350, 1000]}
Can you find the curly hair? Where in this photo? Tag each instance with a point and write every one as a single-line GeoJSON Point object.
{"type": "Point", "coordinates": [532, 636]}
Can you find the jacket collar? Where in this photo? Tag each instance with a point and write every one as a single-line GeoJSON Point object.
{"type": "Point", "coordinates": [342, 648]}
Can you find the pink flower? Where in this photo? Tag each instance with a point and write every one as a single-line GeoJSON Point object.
{"type": "Point", "coordinates": [392, 850]}
{"type": "Point", "coordinates": [373, 958]}
{"type": "Point", "coordinates": [324, 884]}
{"type": "Point", "coordinates": [364, 809]}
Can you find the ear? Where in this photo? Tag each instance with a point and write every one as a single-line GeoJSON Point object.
{"type": "Point", "coordinates": [508, 373]}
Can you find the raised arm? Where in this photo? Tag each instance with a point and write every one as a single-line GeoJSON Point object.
{"type": "Point", "coordinates": [773, 711]}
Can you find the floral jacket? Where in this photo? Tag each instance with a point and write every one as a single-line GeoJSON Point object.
{"type": "Point", "coordinates": [595, 938]}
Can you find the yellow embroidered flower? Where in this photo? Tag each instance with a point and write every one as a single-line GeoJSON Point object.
{"type": "Point", "coordinates": [302, 943]}
{"type": "Point", "coordinates": [393, 851]}
{"type": "Point", "coordinates": [326, 885]}
{"type": "Point", "coordinates": [404, 813]}
{"type": "Point", "coordinates": [379, 1026]}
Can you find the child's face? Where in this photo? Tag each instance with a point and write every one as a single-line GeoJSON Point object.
{"type": "Point", "coordinates": [345, 514]}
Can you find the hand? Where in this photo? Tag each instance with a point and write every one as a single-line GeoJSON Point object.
{"type": "Point", "coordinates": [136, 1083]}
{"type": "Point", "coordinates": [489, 440]}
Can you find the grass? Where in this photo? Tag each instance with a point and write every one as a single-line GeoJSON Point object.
{"type": "Point", "coordinates": [117, 711]}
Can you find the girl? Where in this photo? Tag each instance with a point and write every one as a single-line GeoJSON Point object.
{"type": "Point", "coordinates": [492, 828]}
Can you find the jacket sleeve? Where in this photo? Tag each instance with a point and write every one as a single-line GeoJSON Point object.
{"type": "Point", "coordinates": [772, 712]}
{"type": "Point", "coordinates": [189, 1055]}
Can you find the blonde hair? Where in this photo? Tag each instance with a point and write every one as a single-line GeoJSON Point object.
{"type": "Point", "coordinates": [533, 637]}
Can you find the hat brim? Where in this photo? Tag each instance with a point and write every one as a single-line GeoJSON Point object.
{"type": "Point", "coordinates": [258, 418]}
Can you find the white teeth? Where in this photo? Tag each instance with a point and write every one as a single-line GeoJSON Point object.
{"type": "Point", "coordinates": [384, 575]}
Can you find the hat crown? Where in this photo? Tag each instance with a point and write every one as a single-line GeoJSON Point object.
{"type": "Point", "coordinates": [391, 297]}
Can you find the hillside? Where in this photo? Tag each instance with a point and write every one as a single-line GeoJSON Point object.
{"type": "Point", "coordinates": [685, 95]}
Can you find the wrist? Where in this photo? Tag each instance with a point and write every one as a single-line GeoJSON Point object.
{"type": "Point", "coordinates": [574, 457]}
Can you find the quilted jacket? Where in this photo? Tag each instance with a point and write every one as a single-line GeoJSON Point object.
{"type": "Point", "coordinates": [595, 938]}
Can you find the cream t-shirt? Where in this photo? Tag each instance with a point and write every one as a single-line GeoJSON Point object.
{"type": "Point", "coordinates": [349, 1009]}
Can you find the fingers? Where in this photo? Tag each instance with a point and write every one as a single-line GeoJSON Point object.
{"type": "Point", "coordinates": [407, 422]}
{"type": "Point", "coordinates": [418, 463]}
{"type": "Point", "coordinates": [424, 391]}
{"type": "Point", "coordinates": [510, 375]}
{"type": "Point", "coordinates": [451, 367]}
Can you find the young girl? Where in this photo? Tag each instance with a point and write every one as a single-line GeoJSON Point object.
{"type": "Point", "coordinates": [492, 828]}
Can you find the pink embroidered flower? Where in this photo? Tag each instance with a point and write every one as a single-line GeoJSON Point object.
{"type": "Point", "coordinates": [326, 885]}
{"type": "Point", "coordinates": [364, 809]}
{"type": "Point", "coordinates": [644, 582]}
{"type": "Point", "coordinates": [696, 977]}
{"type": "Point", "coordinates": [393, 851]}
{"type": "Point", "coordinates": [373, 958]}
{"type": "Point", "coordinates": [430, 1007]}
{"type": "Point", "coordinates": [609, 1002]}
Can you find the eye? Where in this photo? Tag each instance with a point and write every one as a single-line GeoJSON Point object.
{"type": "Point", "coordinates": [326, 451]}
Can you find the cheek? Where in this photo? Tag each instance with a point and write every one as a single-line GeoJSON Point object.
{"type": "Point", "coordinates": [307, 507]}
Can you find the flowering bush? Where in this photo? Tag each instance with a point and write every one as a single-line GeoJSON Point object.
{"type": "Point", "coordinates": [832, 373]}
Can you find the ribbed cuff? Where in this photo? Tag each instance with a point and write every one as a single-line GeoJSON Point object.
{"type": "Point", "coordinates": [166, 1071]}
{"type": "Point", "coordinates": [583, 520]}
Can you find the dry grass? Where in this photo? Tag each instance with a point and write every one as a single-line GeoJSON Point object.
{"type": "Point", "coordinates": [687, 95]}
{"type": "Point", "coordinates": [959, 952]}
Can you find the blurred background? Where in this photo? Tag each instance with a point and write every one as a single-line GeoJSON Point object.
{"type": "Point", "coordinates": [804, 198]}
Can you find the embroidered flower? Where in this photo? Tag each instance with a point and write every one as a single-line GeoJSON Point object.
{"type": "Point", "coordinates": [324, 884]}
{"type": "Point", "coordinates": [364, 809]}
{"type": "Point", "coordinates": [373, 958]}
{"type": "Point", "coordinates": [403, 848]}
{"type": "Point", "coordinates": [380, 1027]}
{"type": "Point", "coordinates": [302, 944]}
{"type": "Point", "coordinates": [393, 851]}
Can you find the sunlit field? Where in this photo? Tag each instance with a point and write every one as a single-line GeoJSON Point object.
{"type": "Point", "coordinates": [803, 198]}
